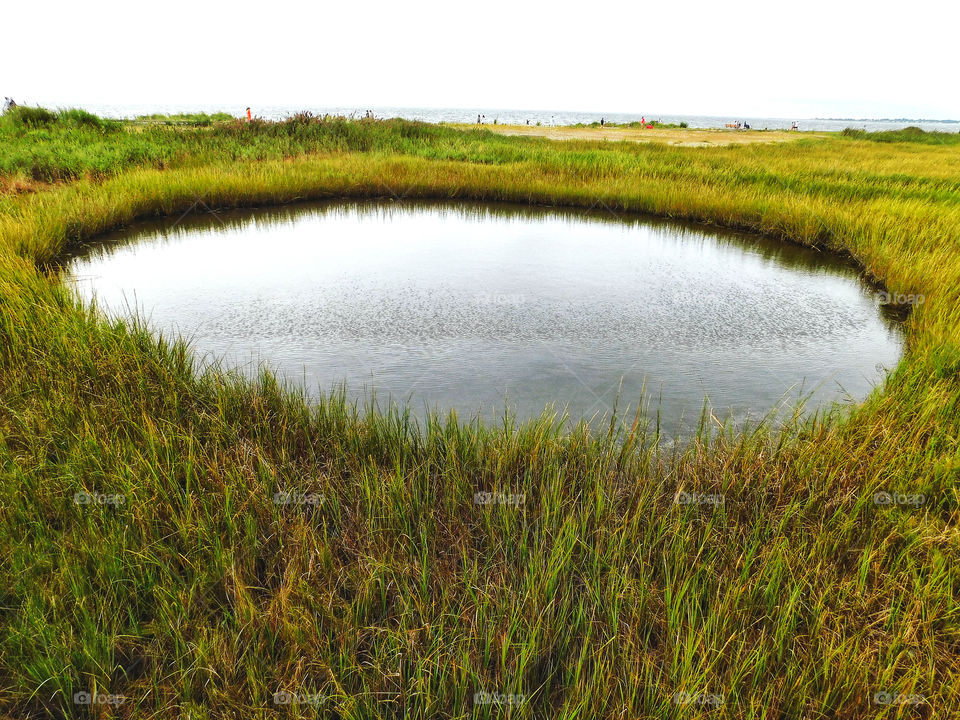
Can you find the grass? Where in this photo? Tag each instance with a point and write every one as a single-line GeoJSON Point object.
{"type": "Point", "coordinates": [199, 119]}
{"type": "Point", "coordinates": [388, 591]}
{"type": "Point", "coordinates": [635, 124]}
{"type": "Point", "coordinates": [906, 135]}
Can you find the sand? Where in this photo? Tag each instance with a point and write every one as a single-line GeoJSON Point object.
{"type": "Point", "coordinates": [680, 136]}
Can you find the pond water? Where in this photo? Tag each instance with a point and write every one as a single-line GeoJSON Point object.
{"type": "Point", "coordinates": [482, 308]}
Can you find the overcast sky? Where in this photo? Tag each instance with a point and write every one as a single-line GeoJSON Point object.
{"type": "Point", "coordinates": [772, 58]}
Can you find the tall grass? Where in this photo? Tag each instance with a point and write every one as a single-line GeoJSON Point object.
{"type": "Point", "coordinates": [384, 588]}
{"type": "Point", "coordinates": [199, 119]}
{"type": "Point", "coordinates": [64, 146]}
{"type": "Point", "coordinates": [907, 134]}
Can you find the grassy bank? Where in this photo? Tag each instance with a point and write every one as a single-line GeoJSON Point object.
{"type": "Point", "coordinates": [381, 587]}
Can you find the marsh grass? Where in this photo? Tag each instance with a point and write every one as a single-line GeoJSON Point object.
{"type": "Point", "coordinates": [198, 119]}
{"type": "Point", "coordinates": [394, 594]}
{"type": "Point", "coordinates": [906, 135]}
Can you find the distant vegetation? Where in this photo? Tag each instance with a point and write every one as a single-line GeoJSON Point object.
{"type": "Point", "coordinates": [657, 124]}
{"type": "Point", "coordinates": [201, 119]}
{"type": "Point", "coordinates": [635, 124]}
{"type": "Point", "coordinates": [907, 134]}
{"type": "Point", "coordinates": [24, 117]}
{"type": "Point", "coordinates": [55, 146]}
{"type": "Point", "coordinates": [145, 555]}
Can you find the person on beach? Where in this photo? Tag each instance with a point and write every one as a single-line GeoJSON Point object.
{"type": "Point", "coordinates": [601, 122]}
{"type": "Point", "coordinates": [478, 119]}
{"type": "Point", "coordinates": [249, 115]}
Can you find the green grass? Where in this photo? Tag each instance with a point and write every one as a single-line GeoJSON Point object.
{"type": "Point", "coordinates": [636, 124]}
{"type": "Point", "coordinates": [200, 119]}
{"type": "Point", "coordinates": [62, 149]}
{"type": "Point", "coordinates": [393, 594]}
{"type": "Point", "coordinates": [906, 135]}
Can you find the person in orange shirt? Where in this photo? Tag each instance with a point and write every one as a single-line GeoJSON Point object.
{"type": "Point", "coordinates": [249, 116]}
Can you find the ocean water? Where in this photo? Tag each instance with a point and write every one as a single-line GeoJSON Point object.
{"type": "Point", "coordinates": [521, 117]}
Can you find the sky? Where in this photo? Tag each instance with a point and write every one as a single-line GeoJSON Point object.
{"type": "Point", "coordinates": [746, 58]}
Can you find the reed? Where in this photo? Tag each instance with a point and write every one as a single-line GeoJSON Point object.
{"type": "Point", "coordinates": [377, 586]}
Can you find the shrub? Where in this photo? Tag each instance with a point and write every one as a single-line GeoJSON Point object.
{"type": "Point", "coordinates": [84, 119]}
{"type": "Point", "coordinates": [31, 116]}
{"type": "Point", "coordinates": [910, 134]}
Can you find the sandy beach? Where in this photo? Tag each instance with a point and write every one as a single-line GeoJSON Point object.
{"type": "Point", "coordinates": [689, 137]}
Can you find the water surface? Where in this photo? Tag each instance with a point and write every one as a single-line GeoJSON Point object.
{"type": "Point", "coordinates": [479, 308]}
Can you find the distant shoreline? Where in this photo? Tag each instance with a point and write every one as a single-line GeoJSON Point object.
{"type": "Point", "coordinates": [891, 120]}
{"type": "Point", "coordinates": [503, 116]}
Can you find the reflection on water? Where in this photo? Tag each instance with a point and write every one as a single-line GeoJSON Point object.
{"type": "Point", "coordinates": [471, 307]}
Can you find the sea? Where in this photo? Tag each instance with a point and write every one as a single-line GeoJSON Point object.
{"type": "Point", "coordinates": [532, 117]}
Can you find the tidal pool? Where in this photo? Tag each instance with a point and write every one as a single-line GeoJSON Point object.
{"type": "Point", "coordinates": [487, 308]}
